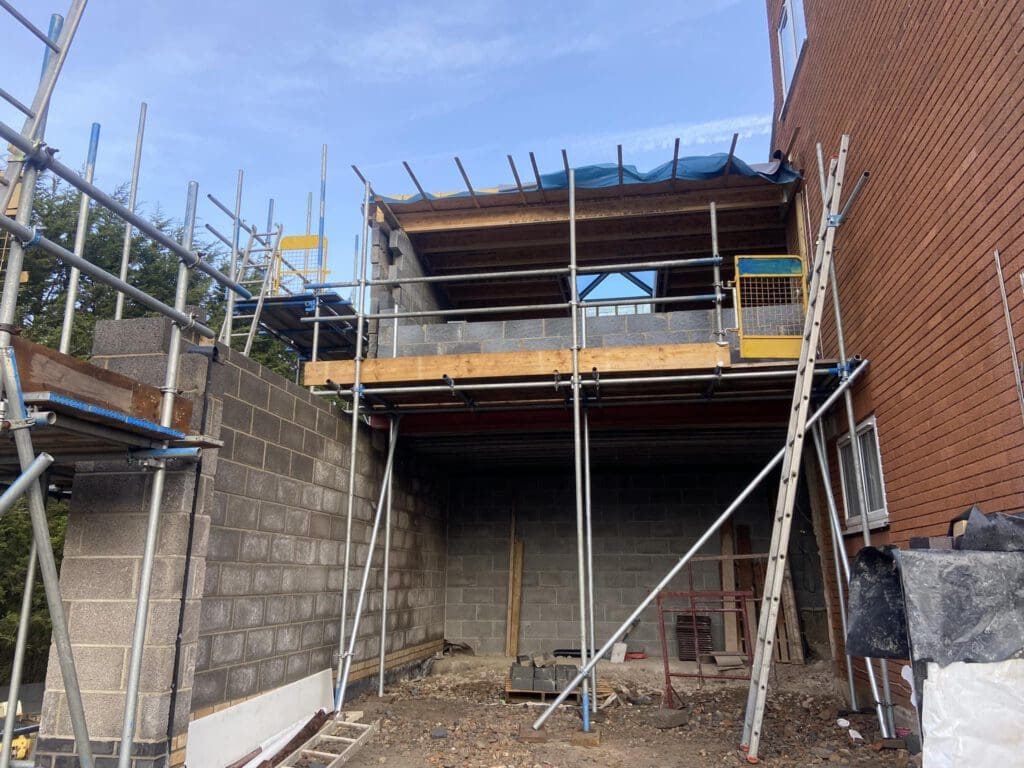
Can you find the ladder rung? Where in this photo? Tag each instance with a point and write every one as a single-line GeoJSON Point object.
{"type": "Point", "coordinates": [330, 755]}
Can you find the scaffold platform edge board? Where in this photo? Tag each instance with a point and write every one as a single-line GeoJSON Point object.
{"type": "Point", "coordinates": [497, 365]}
{"type": "Point", "coordinates": [61, 381]}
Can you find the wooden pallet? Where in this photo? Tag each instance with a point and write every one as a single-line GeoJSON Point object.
{"type": "Point", "coordinates": [336, 734]}
{"type": "Point", "coordinates": [604, 690]}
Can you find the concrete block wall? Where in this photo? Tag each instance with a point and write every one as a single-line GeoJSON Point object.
{"type": "Point", "coordinates": [643, 521]}
{"type": "Point", "coordinates": [274, 568]}
{"type": "Point", "coordinates": [683, 327]}
{"type": "Point", "coordinates": [101, 568]}
{"type": "Point", "coordinates": [393, 256]}
{"type": "Point", "coordinates": [247, 580]}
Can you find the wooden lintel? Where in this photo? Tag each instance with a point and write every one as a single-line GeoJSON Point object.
{"type": "Point", "coordinates": [43, 369]}
{"type": "Point", "coordinates": [414, 222]}
{"type": "Point", "coordinates": [431, 369]}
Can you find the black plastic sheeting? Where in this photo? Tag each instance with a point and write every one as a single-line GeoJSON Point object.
{"type": "Point", "coordinates": [992, 533]}
{"type": "Point", "coordinates": [942, 605]}
{"type": "Point", "coordinates": [877, 619]}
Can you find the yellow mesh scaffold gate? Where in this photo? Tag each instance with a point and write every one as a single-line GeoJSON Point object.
{"type": "Point", "coordinates": [298, 262]}
{"type": "Point", "coordinates": [771, 300]}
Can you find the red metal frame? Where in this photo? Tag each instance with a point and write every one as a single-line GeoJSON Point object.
{"type": "Point", "coordinates": [700, 603]}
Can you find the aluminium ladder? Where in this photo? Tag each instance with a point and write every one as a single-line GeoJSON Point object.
{"type": "Point", "coordinates": [256, 271]}
{"type": "Point", "coordinates": [335, 735]}
{"type": "Point", "coordinates": [789, 480]}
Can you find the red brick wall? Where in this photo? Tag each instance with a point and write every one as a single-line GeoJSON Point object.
{"type": "Point", "coordinates": [931, 94]}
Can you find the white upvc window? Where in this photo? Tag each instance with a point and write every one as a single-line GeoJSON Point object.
{"type": "Point", "coordinates": [874, 482]}
{"type": "Point", "coordinates": [791, 35]}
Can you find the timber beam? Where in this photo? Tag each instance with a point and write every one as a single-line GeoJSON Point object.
{"type": "Point", "coordinates": [432, 369]}
{"type": "Point", "coordinates": [416, 222]}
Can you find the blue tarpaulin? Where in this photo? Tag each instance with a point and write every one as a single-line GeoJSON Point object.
{"type": "Point", "coordinates": [697, 168]}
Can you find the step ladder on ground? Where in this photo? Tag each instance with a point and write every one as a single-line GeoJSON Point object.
{"type": "Point", "coordinates": [333, 745]}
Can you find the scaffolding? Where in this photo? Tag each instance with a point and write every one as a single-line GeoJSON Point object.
{"type": "Point", "coordinates": [784, 294]}
{"type": "Point", "coordinates": [575, 388]}
{"type": "Point", "coordinates": [154, 443]}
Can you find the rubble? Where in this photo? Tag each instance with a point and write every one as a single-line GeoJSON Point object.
{"type": "Point", "coordinates": [485, 732]}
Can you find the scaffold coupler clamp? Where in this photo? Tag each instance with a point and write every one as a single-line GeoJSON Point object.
{"type": "Point", "coordinates": [191, 319]}
{"type": "Point", "coordinates": [450, 382]}
{"type": "Point", "coordinates": [37, 235]}
{"type": "Point", "coordinates": [11, 425]}
{"type": "Point", "coordinates": [40, 157]}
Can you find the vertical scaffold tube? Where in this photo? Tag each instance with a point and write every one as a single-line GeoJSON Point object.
{"type": "Point", "coordinates": [79, 248]}
{"type": "Point", "coordinates": [719, 323]}
{"type": "Point", "coordinates": [860, 484]}
{"type": "Point", "coordinates": [320, 276]}
{"type": "Point", "coordinates": [133, 191]}
{"type": "Point", "coordinates": [228, 328]}
{"type": "Point", "coordinates": [844, 576]}
{"type": "Point", "coordinates": [12, 388]}
{"type": "Point", "coordinates": [354, 444]}
{"type": "Point", "coordinates": [21, 643]}
{"type": "Point", "coordinates": [690, 553]}
{"type": "Point", "coordinates": [387, 557]}
{"type": "Point", "coordinates": [591, 635]}
{"type": "Point", "coordinates": [169, 390]}
{"type": "Point", "coordinates": [389, 468]}
{"type": "Point", "coordinates": [577, 429]}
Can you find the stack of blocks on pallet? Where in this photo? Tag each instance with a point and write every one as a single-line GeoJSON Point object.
{"type": "Point", "coordinates": [540, 673]}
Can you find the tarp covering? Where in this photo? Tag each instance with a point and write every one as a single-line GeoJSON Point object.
{"type": "Point", "coordinates": [963, 605]}
{"type": "Point", "coordinates": [877, 619]}
{"type": "Point", "coordinates": [942, 606]}
{"type": "Point", "coordinates": [696, 168]}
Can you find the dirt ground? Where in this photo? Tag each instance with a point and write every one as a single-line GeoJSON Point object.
{"type": "Point", "coordinates": [457, 717]}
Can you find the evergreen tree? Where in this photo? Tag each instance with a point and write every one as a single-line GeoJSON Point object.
{"type": "Point", "coordinates": [41, 301]}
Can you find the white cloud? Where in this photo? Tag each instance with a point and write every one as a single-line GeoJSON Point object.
{"type": "Point", "coordinates": [448, 46]}
{"type": "Point", "coordinates": [662, 137]}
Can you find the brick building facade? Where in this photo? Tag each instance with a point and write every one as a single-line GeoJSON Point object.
{"type": "Point", "coordinates": [930, 94]}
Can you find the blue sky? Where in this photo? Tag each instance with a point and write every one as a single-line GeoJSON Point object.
{"type": "Point", "coordinates": [261, 85]}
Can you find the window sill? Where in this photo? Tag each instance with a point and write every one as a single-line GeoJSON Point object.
{"type": "Point", "coordinates": [875, 522]}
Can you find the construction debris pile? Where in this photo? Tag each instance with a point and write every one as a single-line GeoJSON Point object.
{"type": "Point", "coordinates": [460, 718]}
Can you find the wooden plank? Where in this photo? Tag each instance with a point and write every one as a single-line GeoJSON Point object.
{"type": "Point", "coordinates": [43, 369]}
{"type": "Point", "coordinates": [511, 579]}
{"type": "Point", "coordinates": [730, 620]}
{"type": "Point", "coordinates": [662, 358]}
{"type": "Point", "coordinates": [746, 568]}
{"type": "Point", "coordinates": [515, 598]}
{"type": "Point", "coordinates": [792, 620]}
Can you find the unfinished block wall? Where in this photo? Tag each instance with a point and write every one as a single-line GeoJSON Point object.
{"type": "Point", "coordinates": [102, 561]}
{"type": "Point", "coordinates": [273, 577]}
{"type": "Point", "coordinates": [453, 338]}
{"type": "Point", "coordinates": [393, 256]}
{"type": "Point", "coordinates": [643, 521]}
{"type": "Point", "coordinates": [247, 578]}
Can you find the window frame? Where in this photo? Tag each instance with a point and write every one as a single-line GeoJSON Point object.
{"type": "Point", "coordinates": [879, 517]}
{"type": "Point", "coordinates": [798, 44]}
